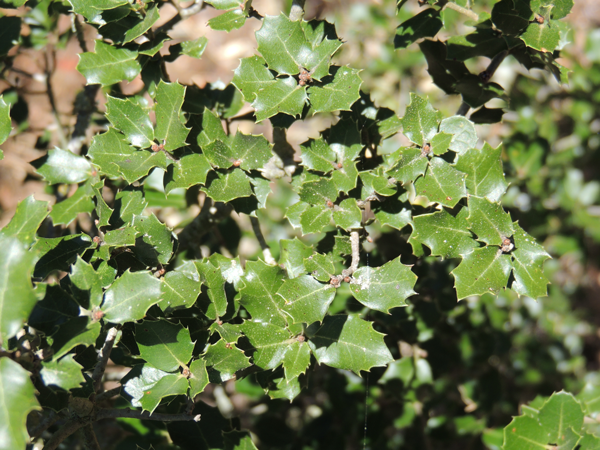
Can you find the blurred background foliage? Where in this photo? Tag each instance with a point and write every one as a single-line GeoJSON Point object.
{"type": "Point", "coordinates": [462, 369]}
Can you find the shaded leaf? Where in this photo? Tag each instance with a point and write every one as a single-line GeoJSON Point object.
{"type": "Point", "coordinates": [80, 202]}
{"type": "Point", "coordinates": [59, 253]}
{"type": "Point", "coordinates": [425, 24]}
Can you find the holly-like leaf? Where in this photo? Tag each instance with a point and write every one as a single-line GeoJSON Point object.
{"type": "Point", "coordinates": [5, 123]}
{"type": "Point", "coordinates": [139, 380]}
{"type": "Point", "coordinates": [231, 20]}
{"type": "Point", "coordinates": [108, 65]}
{"type": "Point", "coordinates": [131, 27]}
{"type": "Point", "coordinates": [219, 154]}
{"type": "Point", "coordinates": [225, 359]}
{"type": "Point", "coordinates": [296, 360]}
{"type": "Point", "coordinates": [283, 44]}
{"type": "Point", "coordinates": [86, 285]}
{"type": "Point", "coordinates": [61, 166]}
{"type": "Point", "coordinates": [17, 297]}
{"type": "Point", "coordinates": [189, 171]}
{"type": "Point", "coordinates": [164, 345]}
{"type": "Point", "coordinates": [484, 270]}
{"type": "Point", "coordinates": [269, 341]}
{"type": "Point", "coordinates": [294, 212]}
{"type": "Point", "coordinates": [463, 131]}
{"type": "Point", "coordinates": [24, 224]}
{"type": "Point", "coordinates": [318, 192]}
{"type": "Point", "coordinates": [306, 300]}
{"type": "Point", "coordinates": [348, 342]}
{"type": "Point", "coordinates": [212, 129]}
{"type": "Point", "coordinates": [80, 202]}
{"type": "Point", "coordinates": [511, 17]}
{"type": "Point", "coordinates": [155, 245]}
{"type": "Point", "coordinates": [528, 265]}
{"type": "Point", "coordinates": [129, 202]}
{"type": "Point", "coordinates": [170, 123]}
{"type": "Point", "coordinates": [261, 281]}
{"type": "Point", "coordinates": [425, 24]}
{"type": "Point", "coordinates": [251, 76]}
{"type": "Point", "coordinates": [64, 373]}
{"type": "Point", "coordinates": [283, 96]}
{"type": "Point", "coordinates": [315, 219]}
{"type": "Point", "coordinates": [482, 42]}
{"type": "Point", "coordinates": [385, 287]}
{"type": "Point", "coordinates": [238, 440]}
{"type": "Point", "coordinates": [442, 183]}
{"type": "Point", "coordinates": [485, 177]}
{"type": "Point", "coordinates": [130, 296]}
{"type": "Point", "coordinates": [59, 253]}
{"type": "Point", "coordinates": [293, 253]}
{"type": "Point", "coordinates": [410, 164]}
{"type": "Point", "coordinates": [393, 212]}
{"type": "Point", "coordinates": [376, 183]}
{"type": "Point", "coordinates": [225, 4]}
{"type": "Point", "coordinates": [180, 287]}
{"type": "Point", "coordinates": [166, 386]}
{"type": "Point", "coordinates": [213, 278]}
{"type": "Point", "coordinates": [446, 235]}
{"type": "Point", "coordinates": [132, 119]}
{"type": "Point", "coordinates": [317, 155]}
{"type": "Point", "coordinates": [320, 266]}
{"type": "Point", "coordinates": [17, 399]}
{"type": "Point", "coordinates": [541, 36]}
{"type": "Point", "coordinates": [347, 215]}
{"type": "Point", "coordinates": [476, 92]}
{"type": "Point", "coordinates": [121, 237]}
{"type": "Point", "coordinates": [194, 48]}
{"type": "Point", "coordinates": [338, 91]}
{"type": "Point", "coordinates": [226, 186]}
{"type": "Point", "coordinates": [198, 377]}
{"type": "Point", "coordinates": [76, 331]}
{"type": "Point", "coordinates": [345, 177]}
{"type": "Point", "coordinates": [440, 143]}
{"type": "Point", "coordinates": [420, 122]}
{"type": "Point", "coordinates": [251, 152]}
{"type": "Point", "coordinates": [489, 221]}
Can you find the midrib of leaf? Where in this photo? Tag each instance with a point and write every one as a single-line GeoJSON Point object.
{"type": "Point", "coordinates": [126, 117]}
{"type": "Point", "coordinates": [524, 267]}
{"type": "Point", "coordinates": [422, 129]}
{"type": "Point", "coordinates": [168, 348]}
{"type": "Point", "coordinates": [498, 254]}
{"type": "Point", "coordinates": [272, 299]}
{"type": "Point", "coordinates": [323, 288]}
{"type": "Point", "coordinates": [124, 300]}
{"type": "Point", "coordinates": [339, 341]}
{"type": "Point", "coordinates": [77, 203]}
{"type": "Point", "coordinates": [492, 224]}
{"type": "Point", "coordinates": [435, 178]}
{"type": "Point", "coordinates": [323, 212]}
{"type": "Point", "coordinates": [283, 99]}
{"type": "Point", "coordinates": [537, 444]}
{"type": "Point", "coordinates": [284, 44]}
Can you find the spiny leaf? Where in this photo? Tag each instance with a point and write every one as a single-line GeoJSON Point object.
{"type": "Point", "coordinates": [61, 166]}
{"type": "Point", "coordinates": [130, 297]}
{"type": "Point", "coordinates": [489, 221]}
{"type": "Point", "coordinates": [485, 177]}
{"type": "Point", "coordinates": [442, 183]}
{"type": "Point", "coordinates": [385, 287]}
{"type": "Point", "coordinates": [132, 119]}
{"type": "Point", "coordinates": [528, 265]}
{"type": "Point", "coordinates": [347, 342]}
{"type": "Point", "coordinates": [284, 96]}
{"type": "Point", "coordinates": [463, 133]}
{"type": "Point", "coordinates": [226, 186]}
{"type": "Point", "coordinates": [251, 76]}
{"type": "Point", "coordinates": [339, 90]}
{"type": "Point", "coordinates": [24, 224]}
{"type": "Point", "coordinates": [420, 122]}
{"type": "Point", "coordinates": [225, 359]}
{"type": "Point", "coordinates": [170, 123]}
{"type": "Point", "coordinates": [108, 65]}
{"type": "Point", "coordinates": [484, 270]}
{"type": "Point", "coordinates": [64, 373]}
{"type": "Point", "coordinates": [164, 345]}
{"type": "Point", "coordinates": [261, 281]}
{"type": "Point", "coordinates": [306, 300]}
{"type": "Point", "coordinates": [269, 341]}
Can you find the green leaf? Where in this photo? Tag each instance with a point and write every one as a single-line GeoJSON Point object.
{"type": "Point", "coordinates": [189, 171]}
{"type": "Point", "coordinates": [130, 296]}
{"type": "Point", "coordinates": [485, 177]}
{"type": "Point", "coordinates": [86, 285]}
{"type": "Point", "coordinates": [324, 41]}
{"type": "Point", "coordinates": [251, 151]}
{"type": "Point", "coordinates": [131, 118]}
{"type": "Point", "coordinates": [293, 254]}
{"type": "Point", "coordinates": [283, 44]}
{"type": "Point", "coordinates": [270, 343]}
{"type": "Point", "coordinates": [283, 388]}
{"type": "Point", "coordinates": [108, 151]}
{"type": "Point", "coordinates": [347, 215]}
{"type": "Point", "coordinates": [61, 166]}
{"type": "Point", "coordinates": [306, 300]}
{"type": "Point", "coordinates": [121, 237]}
{"type": "Point", "coordinates": [198, 377]}
{"type": "Point", "coordinates": [320, 266]}
{"type": "Point", "coordinates": [489, 221]}
{"type": "Point", "coordinates": [315, 219]}
{"type": "Point", "coordinates": [238, 440]}
{"type": "Point", "coordinates": [24, 224]}
{"type": "Point", "coordinates": [441, 143]}
{"type": "Point", "coordinates": [155, 245]}
{"type": "Point", "coordinates": [170, 123]}
{"type": "Point", "coordinates": [296, 360]}
{"type": "Point", "coordinates": [420, 122]}
{"type": "Point", "coordinates": [345, 177]}
{"type": "Point", "coordinates": [475, 92]}
{"type": "Point", "coordinates": [482, 42]}
{"type": "Point", "coordinates": [64, 373]}
{"type": "Point", "coordinates": [213, 278]}
{"type": "Point", "coordinates": [393, 212]}
{"type": "Point", "coordinates": [561, 412]}
{"type": "Point", "coordinates": [446, 235]}
{"type": "Point", "coordinates": [5, 123]}
{"type": "Point", "coordinates": [385, 287]}
{"type": "Point", "coordinates": [251, 76]}
{"type": "Point", "coordinates": [219, 154]}
{"type": "Point", "coordinates": [225, 4]}
{"type": "Point", "coordinates": [180, 287]}
{"type": "Point", "coordinates": [511, 17]}
{"type": "Point", "coordinates": [128, 203]}
{"type": "Point", "coordinates": [294, 212]}
{"type": "Point", "coordinates": [347, 342]}
{"type": "Point", "coordinates": [541, 36]}
{"type": "Point", "coordinates": [463, 131]}
{"type": "Point", "coordinates": [108, 65]}
{"type": "Point", "coordinates": [231, 20]}
{"type": "Point", "coordinates": [17, 399]}
{"type": "Point", "coordinates": [425, 24]}
{"type": "Point", "coordinates": [194, 48]}
{"type": "Point", "coordinates": [80, 202]}
{"type": "Point", "coordinates": [212, 129]}
{"type": "Point", "coordinates": [411, 163]}
{"type": "Point", "coordinates": [226, 186]}
{"type": "Point", "coordinates": [230, 333]}
{"type": "Point", "coordinates": [283, 96]}
{"type": "Point", "coordinates": [77, 331]}
{"type": "Point", "coordinates": [140, 379]}
{"type": "Point", "coordinates": [164, 345]}
{"type": "Point", "coordinates": [59, 253]}
{"type": "Point", "coordinates": [337, 91]}
{"type": "Point", "coordinates": [225, 359]}
{"type": "Point", "coordinates": [589, 396]}
{"type": "Point", "coordinates": [318, 192]}
{"type": "Point", "coordinates": [317, 155]}
{"type": "Point", "coordinates": [484, 270]}
{"type": "Point", "coordinates": [442, 183]}
{"type": "Point", "coordinates": [528, 265]}
{"type": "Point", "coordinates": [166, 386]}
{"type": "Point", "coordinates": [17, 297]}
{"type": "Point", "coordinates": [261, 281]}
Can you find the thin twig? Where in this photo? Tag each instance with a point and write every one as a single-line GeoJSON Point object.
{"type": "Point", "coordinates": [49, 69]}
{"type": "Point", "coordinates": [182, 14]}
{"type": "Point", "coordinates": [261, 240]}
{"type": "Point", "coordinates": [297, 10]}
{"type": "Point", "coordinates": [109, 394]}
{"type": "Point", "coordinates": [103, 356]}
{"type": "Point", "coordinates": [346, 274]}
{"type": "Point", "coordinates": [463, 109]}
{"type": "Point", "coordinates": [51, 418]}
{"type": "Point", "coordinates": [467, 12]}
{"type": "Point", "coordinates": [91, 441]}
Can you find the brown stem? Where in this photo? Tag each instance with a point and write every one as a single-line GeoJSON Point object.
{"type": "Point", "coordinates": [91, 441]}
{"type": "Point", "coordinates": [103, 356]}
